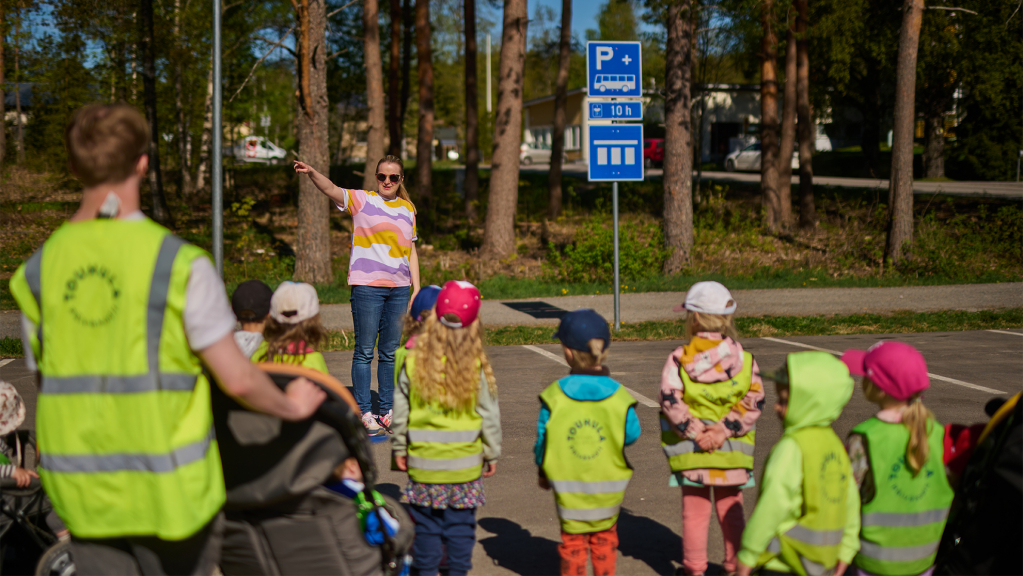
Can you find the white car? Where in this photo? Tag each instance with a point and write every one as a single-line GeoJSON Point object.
{"type": "Point", "coordinates": [533, 152]}
{"type": "Point", "coordinates": [258, 149]}
{"type": "Point", "coordinates": [748, 159]}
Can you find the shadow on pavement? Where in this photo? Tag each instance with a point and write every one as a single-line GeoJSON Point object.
{"type": "Point", "coordinates": [515, 548]}
{"type": "Point", "coordinates": [649, 541]}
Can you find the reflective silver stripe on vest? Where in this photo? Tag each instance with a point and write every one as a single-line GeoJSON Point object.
{"type": "Point", "coordinates": [898, 554]}
{"type": "Point", "coordinates": [581, 487]}
{"type": "Point", "coordinates": [159, 288]}
{"type": "Point", "coordinates": [901, 520]}
{"type": "Point", "coordinates": [156, 463]}
{"type": "Point", "coordinates": [421, 463]}
{"type": "Point", "coordinates": [94, 384]}
{"type": "Point", "coordinates": [688, 446]}
{"type": "Point", "coordinates": [443, 436]}
{"type": "Point", "coordinates": [774, 546]}
{"type": "Point", "coordinates": [34, 279]}
{"type": "Point", "coordinates": [814, 569]}
{"type": "Point", "coordinates": [816, 537]}
{"type": "Point", "coordinates": [588, 514]}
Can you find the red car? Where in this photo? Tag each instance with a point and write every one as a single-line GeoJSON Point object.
{"type": "Point", "coordinates": [653, 152]}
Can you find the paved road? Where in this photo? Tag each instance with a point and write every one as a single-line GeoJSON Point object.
{"type": "Point", "coordinates": [1007, 190]}
{"type": "Point", "coordinates": [646, 306]}
{"type": "Point", "coordinates": [518, 531]}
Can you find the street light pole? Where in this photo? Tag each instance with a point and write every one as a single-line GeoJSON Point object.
{"type": "Point", "coordinates": [217, 159]}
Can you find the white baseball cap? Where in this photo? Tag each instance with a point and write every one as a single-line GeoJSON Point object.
{"type": "Point", "coordinates": [294, 302]}
{"type": "Point", "coordinates": [708, 297]}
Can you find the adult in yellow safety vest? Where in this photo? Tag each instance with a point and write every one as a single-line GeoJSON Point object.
{"type": "Point", "coordinates": [807, 517]}
{"type": "Point", "coordinates": [119, 316]}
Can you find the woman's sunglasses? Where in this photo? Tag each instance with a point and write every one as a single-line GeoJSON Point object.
{"type": "Point", "coordinates": [395, 178]}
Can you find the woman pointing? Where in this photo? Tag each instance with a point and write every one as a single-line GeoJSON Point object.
{"type": "Point", "coordinates": [383, 265]}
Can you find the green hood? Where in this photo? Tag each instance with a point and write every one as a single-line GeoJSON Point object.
{"type": "Point", "coordinates": [819, 388]}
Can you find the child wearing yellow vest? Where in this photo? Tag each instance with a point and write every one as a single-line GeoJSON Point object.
{"type": "Point", "coordinates": [447, 430]}
{"type": "Point", "coordinates": [250, 303]}
{"type": "Point", "coordinates": [586, 421]}
{"type": "Point", "coordinates": [807, 519]}
{"type": "Point", "coordinates": [711, 396]}
{"type": "Point", "coordinates": [897, 463]}
{"type": "Point", "coordinates": [294, 329]}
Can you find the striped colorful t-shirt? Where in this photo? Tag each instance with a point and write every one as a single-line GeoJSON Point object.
{"type": "Point", "coordinates": [382, 235]}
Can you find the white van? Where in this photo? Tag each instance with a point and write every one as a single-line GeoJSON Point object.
{"type": "Point", "coordinates": [623, 82]}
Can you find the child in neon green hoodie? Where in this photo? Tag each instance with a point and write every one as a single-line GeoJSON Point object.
{"type": "Point", "coordinates": [807, 519]}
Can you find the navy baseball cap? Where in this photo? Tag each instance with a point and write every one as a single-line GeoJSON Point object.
{"type": "Point", "coordinates": [251, 301]}
{"type": "Point", "coordinates": [578, 327]}
{"type": "Point", "coordinates": [425, 300]}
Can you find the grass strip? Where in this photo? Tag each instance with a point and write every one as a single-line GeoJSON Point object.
{"type": "Point", "coordinates": [749, 327]}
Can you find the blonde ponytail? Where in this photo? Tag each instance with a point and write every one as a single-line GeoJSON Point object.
{"type": "Point", "coordinates": [916, 418]}
{"type": "Point", "coordinates": [402, 192]}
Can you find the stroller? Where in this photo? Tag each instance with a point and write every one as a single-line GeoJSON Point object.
{"type": "Point", "coordinates": [27, 544]}
{"type": "Point", "coordinates": [279, 517]}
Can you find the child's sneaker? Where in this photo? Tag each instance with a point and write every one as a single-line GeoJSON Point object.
{"type": "Point", "coordinates": [385, 420]}
{"type": "Point", "coordinates": [370, 422]}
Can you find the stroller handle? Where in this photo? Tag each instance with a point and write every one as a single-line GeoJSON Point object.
{"type": "Point", "coordinates": [10, 485]}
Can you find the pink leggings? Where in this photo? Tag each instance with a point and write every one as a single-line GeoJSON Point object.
{"type": "Point", "coordinates": [696, 524]}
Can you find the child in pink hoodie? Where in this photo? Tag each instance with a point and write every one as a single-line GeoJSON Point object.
{"type": "Point", "coordinates": [711, 396]}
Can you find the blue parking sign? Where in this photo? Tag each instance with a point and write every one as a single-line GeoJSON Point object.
{"type": "Point", "coordinates": [614, 69]}
{"type": "Point", "coordinates": [616, 152]}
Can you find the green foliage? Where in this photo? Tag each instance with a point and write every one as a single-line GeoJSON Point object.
{"type": "Point", "coordinates": [591, 257]}
{"type": "Point", "coordinates": [11, 348]}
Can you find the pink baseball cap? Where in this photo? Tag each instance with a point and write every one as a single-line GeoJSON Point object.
{"type": "Point", "coordinates": [897, 368]}
{"type": "Point", "coordinates": [460, 298]}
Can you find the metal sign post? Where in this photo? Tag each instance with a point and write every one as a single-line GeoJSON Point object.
{"type": "Point", "coordinates": [614, 83]}
{"type": "Point", "coordinates": [217, 160]}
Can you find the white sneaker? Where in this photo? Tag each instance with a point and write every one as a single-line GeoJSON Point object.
{"type": "Point", "coordinates": [385, 419]}
{"type": "Point", "coordinates": [370, 422]}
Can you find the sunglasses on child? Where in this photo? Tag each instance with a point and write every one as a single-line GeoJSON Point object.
{"type": "Point", "coordinates": [395, 178]}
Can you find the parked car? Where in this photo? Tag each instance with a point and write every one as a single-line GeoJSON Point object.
{"type": "Point", "coordinates": [653, 152]}
{"type": "Point", "coordinates": [748, 159]}
{"type": "Point", "coordinates": [533, 152]}
{"type": "Point", "coordinates": [258, 149]}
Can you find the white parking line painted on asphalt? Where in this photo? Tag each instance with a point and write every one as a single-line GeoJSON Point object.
{"type": "Point", "coordinates": [552, 356]}
{"type": "Point", "coordinates": [6, 362]}
{"type": "Point", "coordinates": [932, 376]}
{"type": "Point", "coordinates": [1004, 332]}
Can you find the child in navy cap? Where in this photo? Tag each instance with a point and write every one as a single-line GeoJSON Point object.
{"type": "Point", "coordinates": [586, 421]}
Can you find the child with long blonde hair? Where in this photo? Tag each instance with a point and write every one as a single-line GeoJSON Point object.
{"type": "Point", "coordinates": [897, 463]}
{"type": "Point", "coordinates": [294, 331]}
{"type": "Point", "coordinates": [711, 396]}
{"type": "Point", "coordinates": [447, 429]}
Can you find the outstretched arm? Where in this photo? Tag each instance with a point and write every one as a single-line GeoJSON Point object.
{"type": "Point", "coordinates": [335, 193]}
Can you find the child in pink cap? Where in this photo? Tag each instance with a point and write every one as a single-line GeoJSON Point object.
{"type": "Point", "coordinates": [896, 458]}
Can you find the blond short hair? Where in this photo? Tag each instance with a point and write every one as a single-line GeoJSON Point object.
{"type": "Point", "coordinates": [104, 142]}
{"type": "Point", "coordinates": [596, 356]}
{"type": "Point", "coordinates": [702, 322]}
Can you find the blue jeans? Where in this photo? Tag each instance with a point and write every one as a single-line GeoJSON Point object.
{"type": "Point", "coordinates": [376, 311]}
{"type": "Point", "coordinates": [455, 528]}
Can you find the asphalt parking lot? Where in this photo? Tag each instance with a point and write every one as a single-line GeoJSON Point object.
{"type": "Point", "coordinates": [518, 529]}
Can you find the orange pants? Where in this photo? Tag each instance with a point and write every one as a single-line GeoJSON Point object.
{"type": "Point", "coordinates": [602, 547]}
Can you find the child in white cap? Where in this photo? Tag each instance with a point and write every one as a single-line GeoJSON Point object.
{"type": "Point", "coordinates": [294, 331]}
{"type": "Point", "coordinates": [711, 396]}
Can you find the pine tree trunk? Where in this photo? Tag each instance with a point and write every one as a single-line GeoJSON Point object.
{"type": "Point", "coordinates": [934, 144]}
{"type": "Point", "coordinates": [394, 117]}
{"type": "Point", "coordinates": [769, 117]}
{"type": "Point", "coordinates": [424, 144]}
{"type": "Point", "coordinates": [900, 187]}
{"type": "Point", "coordinates": [184, 150]}
{"type": "Point", "coordinates": [499, 237]}
{"type": "Point", "coordinates": [806, 129]}
{"type": "Point", "coordinates": [406, 63]}
{"type": "Point", "coordinates": [678, 153]}
{"type": "Point", "coordinates": [160, 211]}
{"type": "Point", "coordinates": [788, 135]}
{"type": "Point", "coordinates": [206, 141]}
{"type": "Point", "coordinates": [312, 244]}
{"type": "Point", "coordinates": [560, 101]}
{"type": "Point", "coordinates": [374, 92]}
{"type": "Point", "coordinates": [472, 119]}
